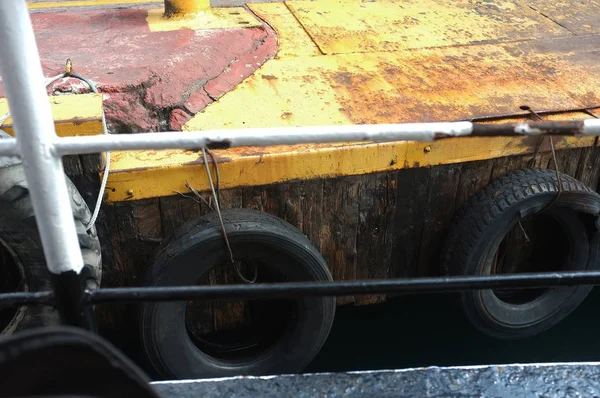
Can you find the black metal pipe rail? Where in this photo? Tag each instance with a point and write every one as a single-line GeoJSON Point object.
{"type": "Point", "coordinates": [24, 298]}
{"type": "Point", "coordinates": [297, 289]}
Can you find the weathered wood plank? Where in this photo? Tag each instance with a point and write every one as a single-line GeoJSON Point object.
{"type": "Point", "coordinates": [299, 204]}
{"type": "Point", "coordinates": [474, 176]}
{"type": "Point", "coordinates": [544, 160]}
{"type": "Point", "coordinates": [231, 199]}
{"type": "Point", "coordinates": [583, 164]}
{"type": "Point", "coordinates": [136, 232]}
{"type": "Point", "coordinates": [176, 210]}
{"type": "Point", "coordinates": [72, 165]}
{"type": "Point", "coordinates": [441, 199]}
{"type": "Point", "coordinates": [588, 169]}
{"type": "Point", "coordinates": [411, 198]}
{"type": "Point", "coordinates": [501, 166]}
{"type": "Point", "coordinates": [92, 163]}
{"type": "Point", "coordinates": [139, 227]}
{"type": "Point", "coordinates": [281, 201]}
{"type": "Point", "coordinates": [253, 198]}
{"type": "Point", "coordinates": [567, 161]}
{"type": "Point", "coordinates": [109, 242]}
{"type": "Point", "coordinates": [338, 228]}
{"type": "Point", "coordinates": [114, 320]}
{"type": "Point", "coordinates": [594, 167]}
{"type": "Point", "coordinates": [376, 210]}
{"type": "Point", "coordinates": [310, 207]}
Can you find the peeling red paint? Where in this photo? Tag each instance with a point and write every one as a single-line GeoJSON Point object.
{"type": "Point", "coordinates": [128, 115]}
{"type": "Point", "coordinates": [197, 101]}
{"type": "Point", "coordinates": [244, 66]}
{"type": "Point", "coordinates": [178, 119]}
{"type": "Point", "coordinates": [199, 62]}
{"type": "Point", "coordinates": [148, 74]}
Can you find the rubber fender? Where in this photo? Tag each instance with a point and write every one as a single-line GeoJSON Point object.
{"type": "Point", "coordinates": [61, 361]}
{"type": "Point", "coordinates": [479, 228]}
{"type": "Point", "coordinates": [23, 264]}
{"type": "Point", "coordinates": [283, 253]}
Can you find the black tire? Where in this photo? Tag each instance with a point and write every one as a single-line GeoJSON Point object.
{"type": "Point", "coordinates": [22, 262]}
{"type": "Point", "coordinates": [480, 227]}
{"type": "Point", "coordinates": [197, 247]}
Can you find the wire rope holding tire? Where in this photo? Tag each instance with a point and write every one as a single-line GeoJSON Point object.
{"type": "Point", "coordinates": [281, 253]}
{"type": "Point", "coordinates": [571, 240]}
{"type": "Point", "coordinates": [22, 262]}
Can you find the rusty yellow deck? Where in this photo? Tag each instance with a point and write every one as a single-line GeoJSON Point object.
{"type": "Point", "coordinates": [388, 61]}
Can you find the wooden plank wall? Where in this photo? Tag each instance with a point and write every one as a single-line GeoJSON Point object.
{"type": "Point", "coordinates": [389, 224]}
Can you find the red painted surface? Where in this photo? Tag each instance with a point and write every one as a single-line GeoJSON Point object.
{"type": "Point", "coordinates": [244, 65]}
{"type": "Point", "coordinates": [197, 101]}
{"type": "Point", "coordinates": [148, 74]}
{"type": "Point", "coordinates": [178, 119]}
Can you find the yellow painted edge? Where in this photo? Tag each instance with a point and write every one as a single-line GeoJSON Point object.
{"type": "Point", "coordinates": [74, 115]}
{"type": "Point", "coordinates": [322, 162]}
{"type": "Point", "coordinates": [87, 3]}
{"type": "Point", "coordinates": [215, 18]}
{"type": "Point", "coordinates": [69, 129]}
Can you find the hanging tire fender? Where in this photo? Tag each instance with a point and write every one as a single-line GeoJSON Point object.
{"type": "Point", "coordinates": [20, 239]}
{"type": "Point", "coordinates": [198, 246]}
{"type": "Point", "coordinates": [481, 225]}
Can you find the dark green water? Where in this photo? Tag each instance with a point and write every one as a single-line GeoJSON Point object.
{"type": "Point", "coordinates": [430, 330]}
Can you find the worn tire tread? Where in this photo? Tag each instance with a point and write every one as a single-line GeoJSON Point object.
{"type": "Point", "coordinates": [17, 206]}
{"type": "Point", "coordinates": [491, 202]}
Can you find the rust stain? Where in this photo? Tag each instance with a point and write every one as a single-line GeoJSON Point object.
{"type": "Point", "coordinates": [222, 144]}
{"type": "Point", "coordinates": [456, 83]}
{"type": "Point", "coordinates": [529, 144]}
{"type": "Point", "coordinates": [269, 77]}
{"type": "Point", "coordinates": [78, 121]}
{"type": "Point", "coordinates": [574, 127]}
{"type": "Point", "coordinates": [308, 79]}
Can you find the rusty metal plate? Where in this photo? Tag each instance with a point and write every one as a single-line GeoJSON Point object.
{"type": "Point", "coordinates": [578, 16]}
{"type": "Point", "coordinates": [453, 83]}
{"type": "Point", "coordinates": [342, 26]}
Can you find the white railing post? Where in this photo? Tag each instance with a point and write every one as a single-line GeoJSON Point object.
{"type": "Point", "coordinates": [24, 85]}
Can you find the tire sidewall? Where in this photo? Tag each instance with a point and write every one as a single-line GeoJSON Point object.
{"type": "Point", "coordinates": [169, 347]}
{"type": "Point", "coordinates": [475, 302]}
{"type": "Point", "coordinates": [18, 229]}
{"type": "Point", "coordinates": [24, 244]}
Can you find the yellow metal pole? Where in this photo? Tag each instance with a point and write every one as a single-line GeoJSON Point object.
{"type": "Point", "coordinates": [182, 7]}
